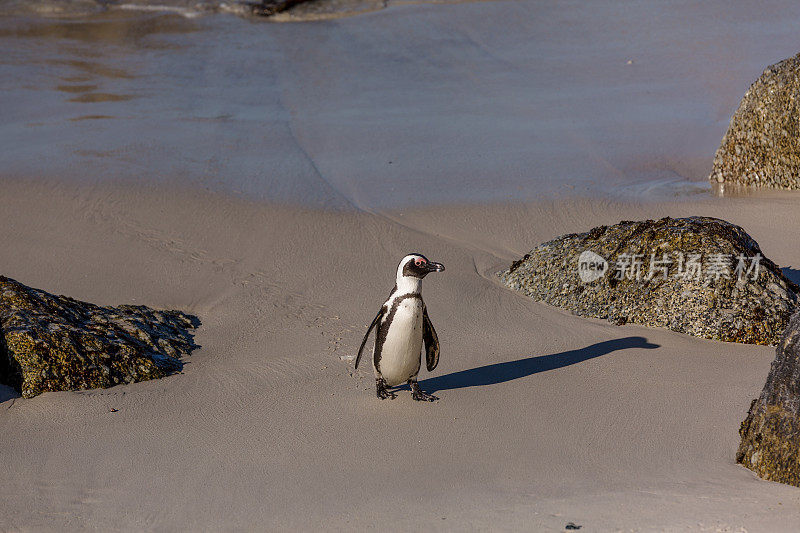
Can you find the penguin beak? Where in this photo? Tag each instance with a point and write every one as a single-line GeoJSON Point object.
{"type": "Point", "coordinates": [435, 267]}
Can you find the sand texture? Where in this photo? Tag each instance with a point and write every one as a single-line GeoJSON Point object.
{"type": "Point", "coordinates": [544, 417]}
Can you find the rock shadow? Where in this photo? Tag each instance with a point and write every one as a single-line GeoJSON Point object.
{"type": "Point", "coordinates": [793, 274]}
{"type": "Point", "coordinates": [8, 393]}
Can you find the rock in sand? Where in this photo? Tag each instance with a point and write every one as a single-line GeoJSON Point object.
{"type": "Point", "coordinates": [762, 144]}
{"type": "Point", "coordinates": [699, 275]}
{"type": "Point", "coordinates": [54, 343]}
{"type": "Point", "coordinates": [770, 434]}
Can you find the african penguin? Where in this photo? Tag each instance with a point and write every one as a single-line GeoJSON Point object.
{"type": "Point", "coordinates": [402, 327]}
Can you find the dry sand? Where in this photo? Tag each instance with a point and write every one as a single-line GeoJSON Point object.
{"type": "Point", "coordinates": [544, 418]}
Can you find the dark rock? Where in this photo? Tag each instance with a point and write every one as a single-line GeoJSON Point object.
{"type": "Point", "coordinates": [771, 432]}
{"type": "Point", "coordinates": [712, 303]}
{"type": "Point", "coordinates": [267, 8]}
{"type": "Point", "coordinates": [50, 343]}
{"type": "Point", "coordinates": [762, 144]}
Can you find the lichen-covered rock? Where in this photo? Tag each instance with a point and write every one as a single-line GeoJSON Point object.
{"type": "Point", "coordinates": [762, 144]}
{"type": "Point", "coordinates": [771, 432]}
{"type": "Point", "coordinates": [51, 343]}
{"type": "Point", "coordinates": [698, 275]}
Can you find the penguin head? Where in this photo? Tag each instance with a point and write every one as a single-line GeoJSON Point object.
{"type": "Point", "coordinates": [416, 266]}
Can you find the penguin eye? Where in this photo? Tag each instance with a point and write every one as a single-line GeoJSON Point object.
{"type": "Point", "coordinates": [419, 262]}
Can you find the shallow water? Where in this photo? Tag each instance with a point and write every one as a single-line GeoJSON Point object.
{"type": "Point", "coordinates": [412, 104]}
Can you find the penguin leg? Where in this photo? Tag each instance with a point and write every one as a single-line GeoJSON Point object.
{"type": "Point", "coordinates": [417, 394]}
{"type": "Point", "coordinates": [383, 390]}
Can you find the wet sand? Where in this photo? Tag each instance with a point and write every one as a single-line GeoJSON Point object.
{"type": "Point", "coordinates": [415, 104]}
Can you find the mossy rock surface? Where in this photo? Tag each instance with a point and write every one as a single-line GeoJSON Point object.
{"type": "Point", "coordinates": [748, 307]}
{"type": "Point", "coordinates": [54, 343]}
{"type": "Point", "coordinates": [770, 434]}
{"type": "Point", "coordinates": [762, 144]}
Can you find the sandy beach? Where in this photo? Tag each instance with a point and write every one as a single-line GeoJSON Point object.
{"type": "Point", "coordinates": [281, 231]}
{"type": "Point", "coordinates": [544, 417]}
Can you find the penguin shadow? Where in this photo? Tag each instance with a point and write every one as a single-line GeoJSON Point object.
{"type": "Point", "coordinates": [511, 370]}
{"type": "Point", "coordinates": [792, 274]}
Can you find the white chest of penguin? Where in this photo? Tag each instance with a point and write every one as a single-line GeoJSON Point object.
{"type": "Point", "coordinates": [401, 352]}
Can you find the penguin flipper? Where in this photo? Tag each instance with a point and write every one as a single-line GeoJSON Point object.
{"type": "Point", "coordinates": [375, 322]}
{"type": "Point", "coordinates": [431, 341]}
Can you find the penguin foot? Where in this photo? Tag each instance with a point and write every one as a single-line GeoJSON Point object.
{"type": "Point", "coordinates": [423, 397]}
{"type": "Point", "coordinates": [386, 393]}
{"type": "Point", "coordinates": [419, 395]}
{"type": "Point", "coordinates": [383, 391]}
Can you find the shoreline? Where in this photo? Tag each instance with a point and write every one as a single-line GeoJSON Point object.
{"type": "Point", "coordinates": [488, 101]}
